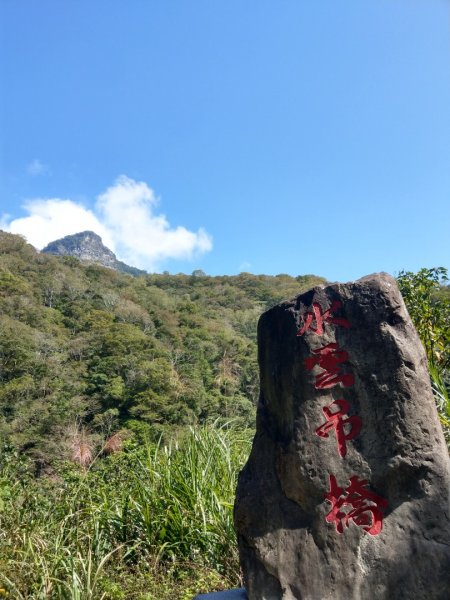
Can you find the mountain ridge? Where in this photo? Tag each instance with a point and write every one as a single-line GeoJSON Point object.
{"type": "Point", "coordinates": [88, 247]}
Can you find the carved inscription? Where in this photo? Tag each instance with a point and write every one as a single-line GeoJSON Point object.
{"type": "Point", "coordinates": [355, 503]}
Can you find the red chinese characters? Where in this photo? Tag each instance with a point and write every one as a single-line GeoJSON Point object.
{"type": "Point", "coordinates": [330, 359]}
{"type": "Point", "coordinates": [340, 422]}
{"type": "Point", "coordinates": [355, 503]}
{"type": "Point", "coordinates": [365, 506]}
{"type": "Point", "coordinates": [321, 317]}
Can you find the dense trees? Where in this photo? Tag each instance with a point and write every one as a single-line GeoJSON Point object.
{"type": "Point", "coordinates": [150, 354]}
{"type": "Point", "coordinates": [85, 344]}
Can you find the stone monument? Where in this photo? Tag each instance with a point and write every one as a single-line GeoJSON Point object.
{"type": "Point", "coordinates": [346, 494]}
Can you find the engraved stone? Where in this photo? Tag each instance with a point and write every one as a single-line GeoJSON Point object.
{"type": "Point", "coordinates": [346, 494]}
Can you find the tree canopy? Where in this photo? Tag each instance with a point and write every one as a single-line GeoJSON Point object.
{"type": "Point", "coordinates": [82, 344]}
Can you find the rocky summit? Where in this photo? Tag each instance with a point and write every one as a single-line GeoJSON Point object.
{"type": "Point", "coordinates": [346, 492]}
{"type": "Point", "coordinates": [88, 247]}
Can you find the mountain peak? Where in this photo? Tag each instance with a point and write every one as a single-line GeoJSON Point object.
{"type": "Point", "coordinates": [88, 247]}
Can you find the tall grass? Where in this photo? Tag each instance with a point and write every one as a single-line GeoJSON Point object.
{"type": "Point", "coordinates": [146, 517]}
{"type": "Point", "coordinates": [442, 397]}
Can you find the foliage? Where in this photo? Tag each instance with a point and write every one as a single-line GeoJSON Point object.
{"type": "Point", "coordinates": [113, 530]}
{"type": "Point", "coordinates": [92, 361]}
{"type": "Point", "coordinates": [88, 346]}
{"type": "Point", "coordinates": [427, 298]}
{"type": "Point", "coordinates": [429, 310]}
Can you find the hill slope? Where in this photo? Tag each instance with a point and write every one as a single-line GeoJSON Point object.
{"type": "Point", "coordinates": [86, 344]}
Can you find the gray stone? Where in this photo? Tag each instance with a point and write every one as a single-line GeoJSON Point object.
{"type": "Point", "coordinates": [288, 549]}
{"type": "Point", "coordinates": [88, 247]}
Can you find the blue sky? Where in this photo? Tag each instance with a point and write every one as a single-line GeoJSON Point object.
{"type": "Point", "coordinates": [265, 136]}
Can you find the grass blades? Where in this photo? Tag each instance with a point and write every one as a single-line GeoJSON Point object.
{"type": "Point", "coordinates": [151, 518]}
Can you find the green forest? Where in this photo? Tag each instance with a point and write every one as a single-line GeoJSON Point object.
{"type": "Point", "coordinates": [127, 408]}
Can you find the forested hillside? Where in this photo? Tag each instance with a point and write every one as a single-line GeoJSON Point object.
{"type": "Point", "coordinates": [93, 361]}
{"type": "Point", "coordinates": [87, 349]}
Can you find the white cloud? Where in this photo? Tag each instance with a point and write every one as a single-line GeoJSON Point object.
{"type": "Point", "coordinates": [36, 167]}
{"type": "Point", "coordinates": [143, 238]}
{"type": "Point", "coordinates": [123, 217]}
{"type": "Point", "coordinates": [52, 218]}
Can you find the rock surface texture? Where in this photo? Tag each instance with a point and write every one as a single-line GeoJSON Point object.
{"type": "Point", "coordinates": [346, 493]}
{"type": "Point", "coordinates": [88, 247]}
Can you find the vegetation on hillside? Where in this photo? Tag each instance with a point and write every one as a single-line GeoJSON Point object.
{"type": "Point", "coordinates": [127, 409]}
{"type": "Point", "coordinates": [153, 522]}
{"type": "Point", "coordinates": [87, 348]}
{"type": "Point", "coordinates": [427, 297]}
